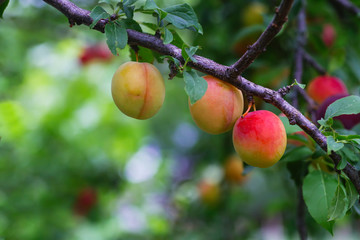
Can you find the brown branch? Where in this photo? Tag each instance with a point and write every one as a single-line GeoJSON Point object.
{"type": "Point", "coordinates": [313, 63]}
{"type": "Point", "coordinates": [347, 5]}
{"type": "Point", "coordinates": [265, 38]}
{"type": "Point", "coordinates": [301, 223]}
{"type": "Point", "coordinates": [299, 58]}
{"type": "Point", "coordinates": [300, 41]}
{"type": "Point", "coordinates": [81, 16]}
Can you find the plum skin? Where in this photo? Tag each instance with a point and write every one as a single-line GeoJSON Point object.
{"type": "Point", "coordinates": [260, 138]}
{"type": "Point", "coordinates": [138, 89]}
{"type": "Point", "coordinates": [322, 87]}
{"type": "Point", "coordinates": [217, 111]}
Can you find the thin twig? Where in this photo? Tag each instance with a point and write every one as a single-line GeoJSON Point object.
{"type": "Point", "coordinates": [313, 63]}
{"type": "Point", "coordinates": [299, 57]}
{"type": "Point", "coordinates": [281, 16]}
{"type": "Point", "coordinates": [300, 41]}
{"type": "Point", "coordinates": [301, 223]}
{"type": "Point", "coordinates": [347, 5]}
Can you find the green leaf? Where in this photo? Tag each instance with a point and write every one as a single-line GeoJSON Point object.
{"type": "Point", "coordinates": [3, 6]}
{"type": "Point", "coordinates": [144, 55]}
{"type": "Point", "coordinates": [183, 16]}
{"type": "Point", "coordinates": [129, 11]}
{"type": "Point", "coordinates": [319, 189]}
{"type": "Point", "coordinates": [297, 154]}
{"type": "Point", "coordinates": [131, 24]}
{"type": "Point", "coordinates": [152, 26]}
{"type": "Point", "coordinates": [343, 162]}
{"type": "Point", "coordinates": [195, 86]}
{"type": "Point", "coordinates": [326, 123]}
{"type": "Point", "coordinates": [333, 145]}
{"type": "Point", "coordinates": [350, 152]}
{"type": "Point", "coordinates": [297, 171]}
{"type": "Point", "coordinates": [339, 204]}
{"type": "Point", "coordinates": [346, 105]}
{"type": "Point", "coordinates": [299, 84]}
{"type": "Point", "coordinates": [116, 36]}
{"type": "Point", "coordinates": [168, 37]}
{"type": "Point", "coordinates": [97, 14]}
{"type": "Point", "coordinates": [177, 40]}
{"type": "Point", "coordinates": [174, 60]}
{"type": "Point", "coordinates": [288, 127]}
{"type": "Point", "coordinates": [351, 193]}
{"type": "Point", "coordinates": [188, 53]}
{"type": "Point", "coordinates": [129, 2]}
{"type": "Point", "coordinates": [150, 5]}
{"type": "Point", "coordinates": [105, 1]}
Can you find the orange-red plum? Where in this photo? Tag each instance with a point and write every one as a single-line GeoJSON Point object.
{"type": "Point", "coordinates": [259, 138]}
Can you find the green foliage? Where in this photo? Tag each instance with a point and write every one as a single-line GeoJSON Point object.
{"type": "Point", "coordinates": [3, 5]}
{"type": "Point", "coordinates": [116, 36]}
{"type": "Point", "coordinates": [346, 145]}
{"type": "Point", "coordinates": [346, 105]}
{"type": "Point", "coordinates": [319, 190]}
{"type": "Point", "coordinates": [195, 86]}
{"type": "Point", "coordinates": [183, 17]}
{"type": "Point", "coordinates": [97, 14]}
{"type": "Point", "coordinates": [288, 127]}
{"type": "Point", "coordinates": [339, 204]}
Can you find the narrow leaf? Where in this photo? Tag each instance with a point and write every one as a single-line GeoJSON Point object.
{"type": "Point", "coordinates": [333, 145]}
{"type": "Point", "coordinates": [3, 6]}
{"type": "Point", "coordinates": [129, 11]}
{"type": "Point", "coordinates": [97, 14]}
{"type": "Point", "coordinates": [351, 153]}
{"type": "Point", "coordinates": [339, 204]}
{"type": "Point", "coordinates": [299, 84]}
{"type": "Point", "coordinates": [195, 86]}
{"type": "Point", "coordinates": [319, 189]}
{"type": "Point", "coordinates": [131, 24]}
{"type": "Point", "coordinates": [190, 52]}
{"type": "Point", "coordinates": [351, 192]}
{"type": "Point", "coordinates": [168, 37]}
{"type": "Point", "coordinates": [343, 162]}
{"type": "Point", "coordinates": [116, 36]}
{"type": "Point", "coordinates": [346, 105]}
{"type": "Point", "coordinates": [129, 2]}
{"type": "Point", "coordinates": [183, 17]}
{"type": "Point", "coordinates": [326, 123]}
{"type": "Point", "coordinates": [297, 154]}
{"type": "Point", "coordinates": [150, 5]}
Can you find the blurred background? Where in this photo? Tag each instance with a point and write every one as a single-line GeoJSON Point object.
{"type": "Point", "coordinates": [72, 166]}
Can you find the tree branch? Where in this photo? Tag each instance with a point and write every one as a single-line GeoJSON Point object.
{"type": "Point", "coordinates": [301, 223]}
{"type": "Point", "coordinates": [81, 16]}
{"type": "Point", "coordinates": [349, 6]}
{"type": "Point", "coordinates": [313, 63]}
{"type": "Point", "coordinates": [299, 58]}
{"type": "Point", "coordinates": [265, 38]}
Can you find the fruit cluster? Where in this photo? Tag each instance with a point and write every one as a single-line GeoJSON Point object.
{"type": "Point", "coordinates": [259, 137]}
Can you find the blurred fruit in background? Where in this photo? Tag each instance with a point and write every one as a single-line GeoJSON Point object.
{"type": "Point", "coordinates": [97, 52]}
{"type": "Point", "coordinates": [85, 201]}
{"type": "Point", "coordinates": [328, 35]}
{"type": "Point", "coordinates": [209, 192]}
{"type": "Point", "coordinates": [233, 170]}
{"type": "Point", "coordinates": [322, 87]}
